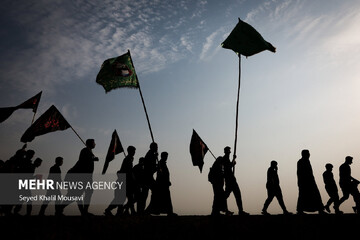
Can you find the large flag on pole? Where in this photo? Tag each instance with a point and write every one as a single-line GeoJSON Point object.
{"type": "Point", "coordinates": [120, 72]}
{"type": "Point", "coordinates": [31, 103]}
{"type": "Point", "coordinates": [115, 147]}
{"type": "Point", "coordinates": [198, 149]}
{"type": "Point", "coordinates": [52, 120]}
{"type": "Point", "coordinates": [117, 72]}
{"type": "Point", "coordinates": [245, 40]}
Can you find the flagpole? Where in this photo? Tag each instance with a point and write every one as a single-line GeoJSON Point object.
{"type": "Point", "coordinates": [143, 102]}
{"type": "Point", "coordinates": [237, 112]}
{"type": "Point", "coordinates": [77, 135]}
{"type": "Point", "coordinates": [211, 152]}
{"type": "Point", "coordinates": [33, 119]}
{"type": "Point", "coordinates": [147, 116]}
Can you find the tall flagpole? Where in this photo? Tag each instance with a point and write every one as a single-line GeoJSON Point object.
{"type": "Point", "coordinates": [237, 113]}
{"type": "Point", "coordinates": [78, 135]}
{"type": "Point", "coordinates": [32, 121]}
{"type": "Point", "coordinates": [143, 102]}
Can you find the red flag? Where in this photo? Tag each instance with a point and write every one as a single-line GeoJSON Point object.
{"type": "Point", "coordinates": [31, 103]}
{"type": "Point", "coordinates": [50, 121]}
{"type": "Point", "coordinates": [115, 147]}
{"type": "Point", "coordinates": [198, 149]}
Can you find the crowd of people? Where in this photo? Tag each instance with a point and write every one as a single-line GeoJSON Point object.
{"type": "Point", "coordinates": [221, 176]}
{"type": "Point", "coordinates": [140, 182]}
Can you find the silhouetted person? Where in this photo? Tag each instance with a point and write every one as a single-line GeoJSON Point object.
{"type": "Point", "coordinates": [161, 198]}
{"type": "Point", "coordinates": [150, 166]}
{"type": "Point", "coordinates": [217, 178]}
{"type": "Point", "coordinates": [29, 169]}
{"type": "Point", "coordinates": [231, 185]}
{"type": "Point", "coordinates": [348, 184]}
{"type": "Point", "coordinates": [82, 172]}
{"type": "Point", "coordinates": [331, 189]}
{"type": "Point", "coordinates": [55, 175]}
{"type": "Point", "coordinates": [273, 189]}
{"type": "Point", "coordinates": [127, 168]}
{"type": "Point", "coordinates": [309, 199]}
{"type": "Point", "coordinates": [12, 166]}
{"type": "Point", "coordinates": [140, 189]}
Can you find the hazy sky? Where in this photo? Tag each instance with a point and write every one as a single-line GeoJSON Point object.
{"type": "Point", "coordinates": [305, 96]}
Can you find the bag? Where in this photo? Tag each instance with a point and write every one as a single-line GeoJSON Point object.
{"type": "Point", "coordinates": [211, 175]}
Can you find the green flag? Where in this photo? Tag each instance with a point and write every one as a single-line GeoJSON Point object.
{"type": "Point", "coordinates": [245, 40]}
{"type": "Point", "coordinates": [117, 72]}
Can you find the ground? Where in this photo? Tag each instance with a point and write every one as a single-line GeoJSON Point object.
{"type": "Point", "coordinates": [311, 226]}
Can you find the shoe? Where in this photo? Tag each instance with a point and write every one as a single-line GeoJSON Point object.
{"type": "Point", "coordinates": [264, 212]}
{"type": "Point", "coordinates": [338, 212]}
{"type": "Point", "coordinates": [301, 213]}
{"type": "Point", "coordinates": [354, 208]}
{"type": "Point", "coordinates": [287, 213]}
{"type": "Point", "coordinates": [243, 213]}
{"type": "Point", "coordinates": [229, 213]}
{"type": "Point", "coordinates": [59, 214]}
{"type": "Point", "coordinates": [327, 209]}
{"type": "Point", "coordinates": [321, 212]}
{"type": "Point", "coordinates": [108, 213]}
{"type": "Point", "coordinates": [172, 215]}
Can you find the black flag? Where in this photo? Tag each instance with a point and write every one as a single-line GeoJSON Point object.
{"type": "Point", "coordinates": [115, 147]}
{"type": "Point", "coordinates": [198, 149]}
{"type": "Point", "coordinates": [50, 121]}
{"type": "Point", "coordinates": [31, 103]}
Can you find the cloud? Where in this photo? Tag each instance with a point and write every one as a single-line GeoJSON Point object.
{"type": "Point", "coordinates": [67, 41]}
{"type": "Point", "coordinates": [209, 48]}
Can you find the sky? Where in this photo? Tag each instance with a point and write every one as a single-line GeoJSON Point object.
{"type": "Point", "coordinates": [304, 96]}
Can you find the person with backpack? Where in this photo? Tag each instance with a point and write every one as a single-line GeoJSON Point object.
{"type": "Point", "coordinates": [217, 178]}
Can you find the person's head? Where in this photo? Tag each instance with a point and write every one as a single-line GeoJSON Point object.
{"type": "Point", "coordinates": [141, 161]}
{"type": "Point", "coordinates": [30, 154]}
{"type": "Point", "coordinates": [349, 160]}
{"type": "Point", "coordinates": [59, 161]}
{"type": "Point", "coordinates": [90, 143]}
{"type": "Point", "coordinates": [37, 162]}
{"type": "Point", "coordinates": [21, 153]}
{"type": "Point", "coordinates": [273, 164]}
{"type": "Point", "coordinates": [227, 150]}
{"type": "Point", "coordinates": [131, 150]}
{"type": "Point", "coordinates": [154, 147]}
{"type": "Point", "coordinates": [329, 167]}
{"type": "Point", "coordinates": [305, 153]}
{"type": "Point", "coordinates": [164, 156]}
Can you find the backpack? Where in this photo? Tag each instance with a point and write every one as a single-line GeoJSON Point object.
{"type": "Point", "coordinates": [211, 175]}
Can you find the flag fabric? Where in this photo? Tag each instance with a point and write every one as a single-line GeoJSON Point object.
{"type": "Point", "coordinates": [6, 112]}
{"type": "Point", "coordinates": [31, 103]}
{"type": "Point", "coordinates": [245, 40]}
{"type": "Point", "coordinates": [117, 72]}
{"type": "Point", "coordinates": [52, 120]}
{"type": "Point", "coordinates": [115, 147]}
{"type": "Point", "coordinates": [198, 149]}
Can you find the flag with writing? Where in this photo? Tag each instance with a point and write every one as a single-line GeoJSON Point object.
{"type": "Point", "coordinates": [117, 72]}
{"type": "Point", "coordinates": [198, 149]}
{"type": "Point", "coordinates": [245, 40]}
{"type": "Point", "coordinates": [115, 147]}
{"type": "Point", "coordinates": [52, 120]}
{"type": "Point", "coordinates": [31, 103]}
